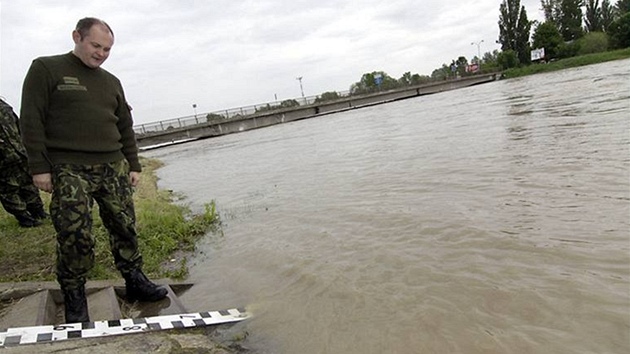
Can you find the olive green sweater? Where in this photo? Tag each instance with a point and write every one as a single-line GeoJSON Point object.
{"type": "Point", "coordinates": [73, 114]}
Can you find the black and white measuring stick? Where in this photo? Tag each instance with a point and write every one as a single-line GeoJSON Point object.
{"type": "Point", "coordinates": [49, 333]}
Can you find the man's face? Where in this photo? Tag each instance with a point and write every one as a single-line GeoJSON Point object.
{"type": "Point", "coordinates": [94, 48]}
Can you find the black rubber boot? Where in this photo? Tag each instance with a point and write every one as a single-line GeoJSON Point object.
{"type": "Point", "coordinates": [25, 220]}
{"type": "Point", "coordinates": [139, 288]}
{"type": "Point", "coordinates": [76, 306]}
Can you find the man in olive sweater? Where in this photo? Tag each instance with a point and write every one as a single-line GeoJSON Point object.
{"type": "Point", "coordinates": [78, 131]}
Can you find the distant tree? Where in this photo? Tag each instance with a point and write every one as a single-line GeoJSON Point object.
{"type": "Point", "coordinates": [568, 49]}
{"type": "Point", "coordinates": [593, 42]}
{"type": "Point", "coordinates": [405, 79]}
{"type": "Point", "coordinates": [514, 29]}
{"type": "Point", "coordinates": [327, 96]}
{"type": "Point", "coordinates": [266, 108]}
{"type": "Point", "coordinates": [593, 16]}
{"type": "Point", "coordinates": [508, 59]}
{"type": "Point", "coordinates": [620, 32]}
{"type": "Point", "coordinates": [417, 79]}
{"type": "Point", "coordinates": [213, 117]}
{"type": "Point", "coordinates": [461, 65]}
{"type": "Point", "coordinates": [608, 15]}
{"type": "Point", "coordinates": [622, 7]}
{"type": "Point", "coordinates": [489, 61]}
{"type": "Point", "coordinates": [571, 21]}
{"type": "Point", "coordinates": [551, 10]}
{"type": "Point", "coordinates": [369, 83]}
{"type": "Point", "coordinates": [546, 35]}
{"type": "Point", "coordinates": [567, 15]}
{"type": "Point", "coordinates": [408, 79]}
{"type": "Point", "coordinates": [442, 73]}
{"type": "Point", "coordinates": [289, 103]}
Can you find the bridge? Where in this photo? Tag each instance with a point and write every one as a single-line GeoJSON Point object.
{"type": "Point", "coordinates": [185, 129]}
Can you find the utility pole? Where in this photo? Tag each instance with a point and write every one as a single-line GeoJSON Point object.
{"type": "Point", "coordinates": [299, 78]}
{"type": "Point", "coordinates": [478, 51]}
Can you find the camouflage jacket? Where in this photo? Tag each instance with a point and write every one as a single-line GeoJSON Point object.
{"type": "Point", "coordinates": [12, 150]}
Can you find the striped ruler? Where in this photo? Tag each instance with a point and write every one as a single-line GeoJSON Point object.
{"type": "Point", "coordinates": [49, 333]}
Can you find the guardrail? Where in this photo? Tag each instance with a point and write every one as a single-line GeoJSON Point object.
{"type": "Point", "coordinates": [223, 115]}
{"type": "Point", "coordinates": [235, 114]}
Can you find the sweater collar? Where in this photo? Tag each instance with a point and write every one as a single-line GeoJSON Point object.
{"type": "Point", "coordinates": [76, 60]}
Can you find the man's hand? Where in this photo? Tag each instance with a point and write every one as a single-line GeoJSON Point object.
{"type": "Point", "coordinates": [43, 181]}
{"type": "Point", "coordinates": [134, 178]}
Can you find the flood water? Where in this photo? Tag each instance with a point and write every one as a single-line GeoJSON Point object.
{"type": "Point", "coordinates": [491, 219]}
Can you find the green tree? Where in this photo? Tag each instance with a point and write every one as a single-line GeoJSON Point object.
{"type": "Point", "coordinates": [620, 32]}
{"type": "Point", "coordinates": [593, 16]}
{"type": "Point", "coordinates": [461, 64]}
{"type": "Point", "coordinates": [567, 15]}
{"type": "Point", "coordinates": [593, 42]}
{"type": "Point", "coordinates": [327, 96]}
{"type": "Point", "coordinates": [489, 61]}
{"type": "Point", "coordinates": [408, 79]}
{"type": "Point", "coordinates": [442, 73]}
{"type": "Point", "coordinates": [417, 79]}
{"type": "Point", "coordinates": [405, 79]}
{"type": "Point", "coordinates": [508, 59]}
{"type": "Point", "coordinates": [608, 15]}
{"type": "Point", "coordinates": [214, 117]}
{"type": "Point", "coordinates": [369, 83]}
{"type": "Point", "coordinates": [546, 35]}
{"type": "Point", "coordinates": [289, 103]}
{"type": "Point", "coordinates": [514, 29]}
{"type": "Point", "coordinates": [551, 9]}
{"type": "Point", "coordinates": [571, 21]}
{"type": "Point", "coordinates": [622, 7]}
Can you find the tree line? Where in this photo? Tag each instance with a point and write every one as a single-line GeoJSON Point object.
{"type": "Point", "coordinates": [570, 28]}
{"type": "Point", "coordinates": [566, 31]}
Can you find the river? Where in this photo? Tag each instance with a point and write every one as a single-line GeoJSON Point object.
{"type": "Point", "coordinates": [490, 219]}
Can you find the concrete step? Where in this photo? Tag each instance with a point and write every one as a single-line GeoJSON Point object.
{"type": "Point", "coordinates": [25, 311]}
{"type": "Point", "coordinates": [43, 304]}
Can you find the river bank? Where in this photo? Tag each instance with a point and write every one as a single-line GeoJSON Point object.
{"type": "Point", "coordinates": [567, 63]}
{"type": "Point", "coordinates": [167, 233]}
{"type": "Point", "coordinates": [167, 237]}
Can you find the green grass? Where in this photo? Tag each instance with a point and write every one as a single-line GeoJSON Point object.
{"type": "Point", "coordinates": [567, 63]}
{"type": "Point", "coordinates": [167, 234]}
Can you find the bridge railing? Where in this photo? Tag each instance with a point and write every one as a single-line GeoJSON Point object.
{"type": "Point", "coordinates": [240, 112]}
{"type": "Point", "coordinates": [222, 115]}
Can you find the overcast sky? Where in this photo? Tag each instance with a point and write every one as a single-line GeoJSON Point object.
{"type": "Point", "coordinates": [221, 54]}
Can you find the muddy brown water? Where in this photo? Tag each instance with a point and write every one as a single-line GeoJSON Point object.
{"type": "Point", "coordinates": [491, 219]}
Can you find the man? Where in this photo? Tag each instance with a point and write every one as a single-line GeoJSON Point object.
{"type": "Point", "coordinates": [18, 195]}
{"type": "Point", "coordinates": [78, 131]}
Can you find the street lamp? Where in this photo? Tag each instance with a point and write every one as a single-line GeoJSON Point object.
{"type": "Point", "coordinates": [299, 78]}
{"type": "Point", "coordinates": [195, 109]}
{"type": "Point", "coordinates": [478, 50]}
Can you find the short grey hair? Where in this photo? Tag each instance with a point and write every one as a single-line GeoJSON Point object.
{"type": "Point", "coordinates": [85, 24]}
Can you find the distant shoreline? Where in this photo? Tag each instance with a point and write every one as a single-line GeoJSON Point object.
{"type": "Point", "coordinates": [567, 63]}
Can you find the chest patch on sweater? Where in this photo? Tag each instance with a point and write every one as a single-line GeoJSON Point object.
{"type": "Point", "coordinates": [71, 84]}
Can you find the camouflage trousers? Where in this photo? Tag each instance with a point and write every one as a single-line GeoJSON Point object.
{"type": "Point", "coordinates": [75, 188]}
{"type": "Point", "coordinates": [18, 194]}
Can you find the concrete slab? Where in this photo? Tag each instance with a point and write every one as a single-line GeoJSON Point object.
{"type": "Point", "coordinates": [23, 311]}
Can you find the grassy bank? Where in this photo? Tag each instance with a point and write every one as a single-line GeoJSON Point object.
{"type": "Point", "coordinates": [166, 234]}
{"type": "Point", "coordinates": [567, 63]}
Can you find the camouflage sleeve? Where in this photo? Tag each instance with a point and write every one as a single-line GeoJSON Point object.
{"type": "Point", "coordinates": [11, 148]}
